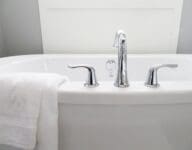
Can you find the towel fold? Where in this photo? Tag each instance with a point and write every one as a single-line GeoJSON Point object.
{"type": "Point", "coordinates": [29, 110]}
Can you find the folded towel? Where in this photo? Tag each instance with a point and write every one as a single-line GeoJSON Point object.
{"type": "Point", "coordinates": [29, 110]}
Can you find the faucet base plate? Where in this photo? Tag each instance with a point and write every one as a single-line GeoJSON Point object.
{"type": "Point", "coordinates": [121, 85]}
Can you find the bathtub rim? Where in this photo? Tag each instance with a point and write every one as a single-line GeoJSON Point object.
{"type": "Point", "coordinates": [23, 58]}
{"type": "Point", "coordinates": [44, 56]}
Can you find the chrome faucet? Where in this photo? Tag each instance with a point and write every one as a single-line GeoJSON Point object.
{"type": "Point", "coordinates": [152, 78]}
{"type": "Point", "coordinates": [120, 43]}
{"type": "Point", "coordinates": [91, 79]}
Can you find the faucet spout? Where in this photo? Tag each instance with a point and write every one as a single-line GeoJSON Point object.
{"type": "Point", "coordinates": [121, 43]}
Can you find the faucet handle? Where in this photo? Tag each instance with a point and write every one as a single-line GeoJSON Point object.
{"type": "Point", "coordinates": [91, 80]}
{"type": "Point", "coordinates": [165, 65]}
{"type": "Point", "coordinates": [152, 78]}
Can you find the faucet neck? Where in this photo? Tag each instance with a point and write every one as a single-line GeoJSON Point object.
{"type": "Point", "coordinates": [120, 43]}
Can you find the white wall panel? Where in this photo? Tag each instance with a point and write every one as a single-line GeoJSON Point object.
{"type": "Point", "coordinates": [89, 26]}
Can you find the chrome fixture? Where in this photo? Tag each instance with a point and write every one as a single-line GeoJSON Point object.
{"type": "Point", "coordinates": [152, 78]}
{"type": "Point", "coordinates": [91, 80]}
{"type": "Point", "coordinates": [111, 67]}
{"type": "Point", "coordinates": [120, 43]}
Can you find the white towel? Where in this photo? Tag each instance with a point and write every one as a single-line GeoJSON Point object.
{"type": "Point", "coordinates": [29, 110]}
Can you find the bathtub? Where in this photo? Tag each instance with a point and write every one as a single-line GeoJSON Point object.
{"type": "Point", "coordinates": [111, 118]}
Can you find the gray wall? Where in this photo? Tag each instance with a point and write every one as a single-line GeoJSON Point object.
{"type": "Point", "coordinates": [20, 24]}
{"type": "Point", "coordinates": [1, 42]}
{"type": "Point", "coordinates": [185, 38]}
{"type": "Point", "coordinates": [21, 27]}
{"type": "Point", "coordinates": [1, 36]}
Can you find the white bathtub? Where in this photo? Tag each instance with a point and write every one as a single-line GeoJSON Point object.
{"type": "Point", "coordinates": [109, 118]}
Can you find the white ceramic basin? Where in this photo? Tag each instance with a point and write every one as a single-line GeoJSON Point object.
{"type": "Point", "coordinates": [109, 118]}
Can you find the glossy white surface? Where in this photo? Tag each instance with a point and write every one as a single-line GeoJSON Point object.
{"type": "Point", "coordinates": [109, 118]}
{"type": "Point", "coordinates": [138, 66]}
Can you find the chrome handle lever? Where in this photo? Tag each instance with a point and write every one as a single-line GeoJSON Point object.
{"type": "Point", "coordinates": [152, 77]}
{"type": "Point", "coordinates": [165, 65]}
{"type": "Point", "coordinates": [91, 79]}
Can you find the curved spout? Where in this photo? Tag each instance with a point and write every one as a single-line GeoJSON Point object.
{"type": "Point", "coordinates": [119, 37]}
